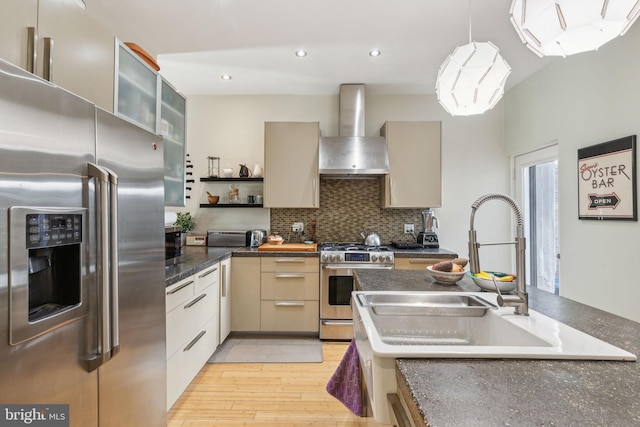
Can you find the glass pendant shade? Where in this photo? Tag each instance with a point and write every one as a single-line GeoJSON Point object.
{"type": "Point", "coordinates": [471, 80]}
{"type": "Point", "coordinates": [566, 27]}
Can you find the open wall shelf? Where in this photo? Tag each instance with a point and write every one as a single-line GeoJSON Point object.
{"type": "Point", "coordinates": [211, 179]}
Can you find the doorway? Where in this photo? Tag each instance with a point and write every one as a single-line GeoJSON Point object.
{"type": "Point", "coordinates": [536, 190]}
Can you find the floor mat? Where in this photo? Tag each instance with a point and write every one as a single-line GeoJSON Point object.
{"type": "Point", "coordinates": [268, 350]}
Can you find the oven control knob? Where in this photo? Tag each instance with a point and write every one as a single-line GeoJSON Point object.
{"type": "Point", "coordinates": [388, 258]}
{"type": "Point", "coordinates": [325, 257]}
{"type": "Point", "coordinates": [339, 258]}
{"type": "Point", "coordinates": [374, 258]}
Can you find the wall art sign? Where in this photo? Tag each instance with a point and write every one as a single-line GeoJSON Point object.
{"type": "Point", "coordinates": [607, 180]}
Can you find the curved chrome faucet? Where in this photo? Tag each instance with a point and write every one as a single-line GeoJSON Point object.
{"type": "Point", "coordinates": [521, 299]}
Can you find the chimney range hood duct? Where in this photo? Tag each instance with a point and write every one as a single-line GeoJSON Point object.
{"type": "Point", "coordinates": [352, 154]}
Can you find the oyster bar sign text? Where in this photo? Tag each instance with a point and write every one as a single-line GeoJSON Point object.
{"type": "Point", "coordinates": [607, 180]}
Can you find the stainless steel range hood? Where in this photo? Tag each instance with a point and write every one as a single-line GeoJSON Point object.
{"type": "Point", "coordinates": [352, 154]}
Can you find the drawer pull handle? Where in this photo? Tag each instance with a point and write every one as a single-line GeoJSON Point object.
{"type": "Point", "coordinates": [289, 303]}
{"type": "Point", "coordinates": [207, 273]}
{"type": "Point", "coordinates": [179, 288]}
{"type": "Point", "coordinates": [195, 301]}
{"type": "Point", "coordinates": [337, 322]}
{"type": "Point", "coordinates": [290, 260]}
{"type": "Point", "coordinates": [421, 261]}
{"type": "Point", "coordinates": [223, 287]}
{"type": "Point", "coordinates": [290, 276]}
{"type": "Point", "coordinates": [194, 341]}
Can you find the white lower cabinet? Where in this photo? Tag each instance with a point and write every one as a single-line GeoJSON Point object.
{"type": "Point", "coordinates": [193, 317]}
{"type": "Point", "coordinates": [225, 299]}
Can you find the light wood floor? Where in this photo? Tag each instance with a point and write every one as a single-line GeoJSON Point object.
{"type": "Point", "coordinates": [270, 395]}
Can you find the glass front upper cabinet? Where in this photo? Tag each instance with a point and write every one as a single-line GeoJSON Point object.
{"type": "Point", "coordinates": [148, 101]}
{"type": "Point", "coordinates": [172, 125]}
{"type": "Point", "coordinates": [136, 90]}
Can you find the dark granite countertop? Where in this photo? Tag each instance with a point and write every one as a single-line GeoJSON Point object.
{"type": "Point", "coordinates": [251, 252]}
{"type": "Point", "coordinates": [423, 253]}
{"type": "Point", "coordinates": [197, 258]}
{"type": "Point", "coordinates": [192, 260]}
{"type": "Point", "coordinates": [492, 392]}
{"type": "Point", "coordinates": [399, 253]}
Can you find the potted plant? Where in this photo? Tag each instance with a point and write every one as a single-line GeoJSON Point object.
{"type": "Point", "coordinates": [186, 222]}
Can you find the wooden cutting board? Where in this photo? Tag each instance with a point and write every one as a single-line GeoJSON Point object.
{"type": "Point", "coordinates": [289, 247]}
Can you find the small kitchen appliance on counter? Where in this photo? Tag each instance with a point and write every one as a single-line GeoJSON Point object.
{"type": "Point", "coordinates": [337, 262]}
{"type": "Point", "coordinates": [172, 244]}
{"type": "Point", "coordinates": [257, 238]}
{"type": "Point", "coordinates": [228, 238]}
{"type": "Point", "coordinates": [428, 237]}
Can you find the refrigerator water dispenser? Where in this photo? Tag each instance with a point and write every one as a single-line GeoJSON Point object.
{"type": "Point", "coordinates": [45, 281]}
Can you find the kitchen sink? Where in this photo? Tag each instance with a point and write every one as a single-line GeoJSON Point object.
{"type": "Point", "coordinates": [461, 325]}
{"type": "Point", "coordinates": [467, 325]}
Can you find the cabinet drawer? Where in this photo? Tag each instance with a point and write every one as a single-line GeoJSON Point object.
{"type": "Point", "coordinates": [415, 263]}
{"type": "Point", "coordinates": [207, 277]}
{"type": "Point", "coordinates": [184, 365]}
{"type": "Point", "coordinates": [182, 320]}
{"type": "Point", "coordinates": [290, 264]}
{"type": "Point", "coordinates": [179, 292]}
{"type": "Point", "coordinates": [289, 316]}
{"type": "Point", "coordinates": [289, 286]}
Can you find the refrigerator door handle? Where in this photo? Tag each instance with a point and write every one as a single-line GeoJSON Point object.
{"type": "Point", "coordinates": [114, 265]}
{"type": "Point", "coordinates": [103, 269]}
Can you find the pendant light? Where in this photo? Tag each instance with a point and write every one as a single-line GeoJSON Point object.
{"type": "Point", "coordinates": [567, 27]}
{"type": "Point", "coordinates": [471, 80]}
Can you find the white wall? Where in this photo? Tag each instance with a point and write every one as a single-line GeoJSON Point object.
{"type": "Point", "coordinates": [473, 161]}
{"type": "Point", "coordinates": [584, 100]}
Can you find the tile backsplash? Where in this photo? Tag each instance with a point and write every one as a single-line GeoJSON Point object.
{"type": "Point", "coordinates": [347, 206]}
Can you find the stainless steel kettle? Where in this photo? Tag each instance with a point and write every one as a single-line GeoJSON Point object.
{"type": "Point", "coordinates": [371, 239]}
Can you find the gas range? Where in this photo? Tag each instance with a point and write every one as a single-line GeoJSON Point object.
{"type": "Point", "coordinates": [355, 253]}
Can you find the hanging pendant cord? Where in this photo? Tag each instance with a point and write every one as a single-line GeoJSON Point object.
{"type": "Point", "coordinates": [470, 38]}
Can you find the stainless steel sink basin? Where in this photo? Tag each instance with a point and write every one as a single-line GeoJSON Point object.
{"type": "Point", "coordinates": [425, 304]}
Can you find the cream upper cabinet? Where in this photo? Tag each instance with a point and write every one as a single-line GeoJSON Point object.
{"type": "Point", "coordinates": [71, 48]}
{"type": "Point", "coordinates": [415, 165]}
{"type": "Point", "coordinates": [291, 164]}
{"type": "Point", "coordinates": [16, 17]}
{"type": "Point", "coordinates": [82, 53]}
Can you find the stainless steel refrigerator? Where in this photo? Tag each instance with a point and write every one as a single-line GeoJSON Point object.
{"type": "Point", "coordinates": [82, 311]}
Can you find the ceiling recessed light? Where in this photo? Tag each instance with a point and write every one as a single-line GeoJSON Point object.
{"type": "Point", "coordinates": [301, 53]}
{"type": "Point", "coordinates": [225, 77]}
{"type": "Point", "coordinates": [374, 52]}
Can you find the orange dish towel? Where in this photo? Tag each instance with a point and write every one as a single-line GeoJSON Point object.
{"type": "Point", "coordinates": [346, 384]}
